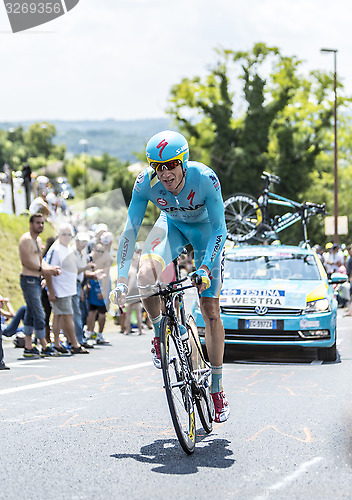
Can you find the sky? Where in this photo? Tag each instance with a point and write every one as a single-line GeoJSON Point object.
{"type": "Point", "coordinates": [119, 58]}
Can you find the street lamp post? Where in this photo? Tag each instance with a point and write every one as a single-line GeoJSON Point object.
{"type": "Point", "coordinates": [336, 202]}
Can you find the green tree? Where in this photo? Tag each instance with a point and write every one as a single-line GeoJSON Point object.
{"type": "Point", "coordinates": [121, 178]}
{"type": "Point", "coordinates": [281, 124]}
{"type": "Point", "coordinates": [39, 139]}
{"type": "Point", "coordinates": [105, 164]}
{"type": "Point", "coordinates": [75, 170]}
{"type": "Point", "coordinates": [12, 148]}
{"type": "Point", "coordinates": [236, 146]}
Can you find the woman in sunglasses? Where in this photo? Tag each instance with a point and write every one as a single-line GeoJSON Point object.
{"type": "Point", "coordinates": [189, 196]}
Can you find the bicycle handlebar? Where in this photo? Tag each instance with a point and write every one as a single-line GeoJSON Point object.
{"type": "Point", "coordinates": [271, 177]}
{"type": "Point", "coordinates": [314, 207]}
{"type": "Point", "coordinates": [160, 289]}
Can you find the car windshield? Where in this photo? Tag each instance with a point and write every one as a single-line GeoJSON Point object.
{"type": "Point", "coordinates": [288, 266]}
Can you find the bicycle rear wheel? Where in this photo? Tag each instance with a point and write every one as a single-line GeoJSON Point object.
{"type": "Point", "coordinates": [177, 387]}
{"type": "Point", "coordinates": [201, 372]}
{"type": "Point", "coordinates": [243, 216]}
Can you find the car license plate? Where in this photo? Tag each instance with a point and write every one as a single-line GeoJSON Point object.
{"type": "Point", "coordinates": [264, 324]}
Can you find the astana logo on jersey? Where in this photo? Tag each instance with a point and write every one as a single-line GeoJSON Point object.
{"type": "Point", "coordinates": [24, 15]}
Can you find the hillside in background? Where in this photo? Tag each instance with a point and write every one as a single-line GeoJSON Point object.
{"type": "Point", "coordinates": [115, 137]}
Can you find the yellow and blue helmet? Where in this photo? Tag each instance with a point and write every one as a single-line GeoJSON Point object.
{"type": "Point", "coordinates": [168, 145]}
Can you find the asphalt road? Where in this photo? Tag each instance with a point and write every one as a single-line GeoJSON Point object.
{"type": "Point", "coordinates": [97, 427]}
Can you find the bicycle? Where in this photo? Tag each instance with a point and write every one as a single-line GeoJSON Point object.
{"type": "Point", "coordinates": [185, 372]}
{"type": "Point", "coordinates": [248, 219]}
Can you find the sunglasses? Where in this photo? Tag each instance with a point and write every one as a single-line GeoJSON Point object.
{"type": "Point", "coordinates": [168, 165]}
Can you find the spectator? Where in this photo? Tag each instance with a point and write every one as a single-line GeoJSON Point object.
{"type": "Point", "coordinates": [51, 200]}
{"type": "Point", "coordinates": [98, 231]}
{"type": "Point", "coordinates": [106, 240]}
{"type": "Point", "coordinates": [45, 299]}
{"type": "Point", "coordinates": [349, 274]}
{"type": "Point", "coordinates": [333, 258]}
{"type": "Point", "coordinates": [320, 252]}
{"type": "Point", "coordinates": [2, 363]}
{"type": "Point", "coordinates": [33, 267]}
{"type": "Point", "coordinates": [40, 205]}
{"type": "Point", "coordinates": [96, 299]}
{"type": "Point", "coordinates": [349, 265]}
{"type": "Point", "coordinates": [8, 313]}
{"type": "Point", "coordinates": [83, 264]}
{"type": "Point", "coordinates": [103, 260]}
{"type": "Point", "coordinates": [61, 290]}
{"type": "Point", "coordinates": [26, 175]}
{"type": "Point", "coordinates": [133, 290]}
{"type": "Point", "coordinates": [62, 205]}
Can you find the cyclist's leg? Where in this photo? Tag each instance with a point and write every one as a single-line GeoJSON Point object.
{"type": "Point", "coordinates": [214, 329]}
{"type": "Point", "coordinates": [163, 244]}
{"type": "Point", "coordinates": [214, 340]}
{"type": "Point", "coordinates": [198, 235]}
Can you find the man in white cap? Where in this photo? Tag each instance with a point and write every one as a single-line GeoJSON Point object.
{"type": "Point", "coordinates": [98, 231]}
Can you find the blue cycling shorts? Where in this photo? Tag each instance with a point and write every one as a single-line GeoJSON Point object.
{"type": "Point", "coordinates": [167, 240]}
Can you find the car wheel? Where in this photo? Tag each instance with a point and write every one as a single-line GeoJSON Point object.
{"type": "Point", "coordinates": [327, 354]}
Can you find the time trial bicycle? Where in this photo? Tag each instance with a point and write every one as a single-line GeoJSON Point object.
{"type": "Point", "coordinates": [186, 373]}
{"type": "Point", "coordinates": [248, 218]}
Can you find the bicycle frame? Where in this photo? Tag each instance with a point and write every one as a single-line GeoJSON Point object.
{"type": "Point", "coordinates": [170, 297]}
{"type": "Point", "coordinates": [281, 222]}
{"type": "Point", "coordinates": [185, 380]}
{"type": "Point", "coordinates": [248, 218]}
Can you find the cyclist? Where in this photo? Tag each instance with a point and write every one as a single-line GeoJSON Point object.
{"type": "Point", "coordinates": [189, 196]}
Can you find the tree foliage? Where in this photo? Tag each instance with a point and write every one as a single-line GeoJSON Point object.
{"type": "Point", "coordinates": [280, 125]}
{"type": "Point", "coordinates": [34, 146]}
{"type": "Point", "coordinates": [104, 173]}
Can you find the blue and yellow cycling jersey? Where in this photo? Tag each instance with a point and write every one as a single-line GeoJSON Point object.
{"type": "Point", "coordinates": [197, 213]}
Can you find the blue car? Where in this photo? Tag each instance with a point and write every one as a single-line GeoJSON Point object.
{"type": "Point", "coordinates": [277, 296]}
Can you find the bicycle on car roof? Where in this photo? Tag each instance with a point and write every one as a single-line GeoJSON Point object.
{"type": "Point", "coordinates": [248, 219]}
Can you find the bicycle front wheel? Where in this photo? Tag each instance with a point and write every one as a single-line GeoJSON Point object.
{"type": "Point", "coordinates": [177, 386]}
{"type": "Point", "coordinates": [201, 373]}
{"type": "Point", "coordinates": [243, 216]}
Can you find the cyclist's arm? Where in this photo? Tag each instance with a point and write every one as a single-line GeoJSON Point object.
{"type": "Point", "coordinates": [215, 207]}
{"type": "Point", "coordinates": [135, 216]}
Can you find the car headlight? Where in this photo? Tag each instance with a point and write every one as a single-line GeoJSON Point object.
{"type": "Point", "coordinates": [316, 306]}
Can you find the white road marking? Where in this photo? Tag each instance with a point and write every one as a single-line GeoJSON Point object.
{"type": "Point", "coordinates": [41, 364]}
{"type": "Point", "coordinates": [288, 479]}
{"type": "Point", "coordinates": [47, 383]}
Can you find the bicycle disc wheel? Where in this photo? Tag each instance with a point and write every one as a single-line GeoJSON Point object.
{"type": "Point", "coordinates": [243, 216]}
{"type": "Point", "coordinates": [177, 387]}
{"type": "Point", "coordinates": [201, 372]}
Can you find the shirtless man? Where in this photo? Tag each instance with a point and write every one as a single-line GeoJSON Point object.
{"type": "Point", "coordinates": [33, 267]}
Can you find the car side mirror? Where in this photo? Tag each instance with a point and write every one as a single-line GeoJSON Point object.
{"type": "Point", "coordinates": [337, 278]}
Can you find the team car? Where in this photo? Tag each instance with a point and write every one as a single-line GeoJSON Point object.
{"type": "Point", "coordinates": [277, 296]}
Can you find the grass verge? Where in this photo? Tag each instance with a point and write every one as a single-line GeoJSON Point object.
{"type": "Point", "coordinates": [11, 229]}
